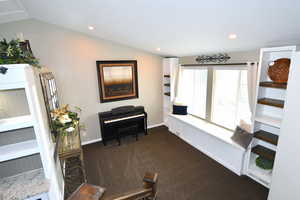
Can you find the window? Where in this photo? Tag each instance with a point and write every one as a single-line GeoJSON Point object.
{"type": "Point", "coordinates": [218, 95]}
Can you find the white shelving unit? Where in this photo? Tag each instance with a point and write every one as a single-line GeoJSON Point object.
{"type": "Point", "coordinates": [267, 115]}
{"type": "Point", "coordinates": [18, 150]}
{"type": "Point", "coordinates": [260, 175]}
{"type": "Point", "coordinates": [170, 66]}
{"type": "Point", "coordinates": [13, 123]}
{"type": "Point", "coordinates": [25, 78]}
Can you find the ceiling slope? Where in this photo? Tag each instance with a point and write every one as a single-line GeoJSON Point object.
{"type": "Point", "coordinates": [177, 27]}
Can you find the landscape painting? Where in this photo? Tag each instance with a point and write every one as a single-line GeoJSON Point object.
{"type": "Point", "coordinates": [117, 80]}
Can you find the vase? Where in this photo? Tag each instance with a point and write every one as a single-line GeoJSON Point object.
{"type": "Point", "coordinates": [69, 140]}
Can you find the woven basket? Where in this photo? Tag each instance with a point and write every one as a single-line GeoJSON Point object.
{"type": "Point", "coordinates": [279, 70]}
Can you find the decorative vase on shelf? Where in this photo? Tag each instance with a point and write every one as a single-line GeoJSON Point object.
{"type": "Point", "coordinates": [278, 70]}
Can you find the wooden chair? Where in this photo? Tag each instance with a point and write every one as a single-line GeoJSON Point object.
{"type": "Point", "coordinates": [92, 192]}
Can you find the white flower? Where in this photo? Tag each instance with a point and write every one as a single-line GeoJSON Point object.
{"type": "Point", "coordinates": [70, 129]}
{"type": "Point", "coordinates": [64, 119]}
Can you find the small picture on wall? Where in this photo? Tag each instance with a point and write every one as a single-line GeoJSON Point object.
{"type": "Point", "coordinates": [117, 80]}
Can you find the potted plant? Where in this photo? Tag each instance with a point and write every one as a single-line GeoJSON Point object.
{"type": "Point", "coordinates": [65, 121]}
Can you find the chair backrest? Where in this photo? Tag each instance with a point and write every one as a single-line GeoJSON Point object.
{"type": "Point", "coordinates": [147, 192]}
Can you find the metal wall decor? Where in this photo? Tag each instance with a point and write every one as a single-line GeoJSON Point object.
{"type": "Point", "coordinates": [216, 58]}
{"type": "Point", "coordinates": [50, 96]}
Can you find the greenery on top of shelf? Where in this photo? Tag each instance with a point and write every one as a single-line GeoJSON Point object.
{"type": "Point", "coordinates": [15, 52]}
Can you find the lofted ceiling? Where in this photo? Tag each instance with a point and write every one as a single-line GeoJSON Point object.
{"type": "Point", "coordinates": [12, 10]}
{"type": "Point", "coordinates": [176, 27]}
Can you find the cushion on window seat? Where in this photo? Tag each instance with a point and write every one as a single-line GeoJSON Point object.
{"type": "Point", "coordinates": [242, 137]}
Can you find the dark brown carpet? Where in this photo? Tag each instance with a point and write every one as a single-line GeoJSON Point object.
{"type": "Point", "coordinates": [184, 172]}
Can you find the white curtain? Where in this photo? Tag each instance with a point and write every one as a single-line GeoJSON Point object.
{"type": "Point", "coordinates": [177, 86]}
{"type": "Point", "coordinates": [252, 83]}
{"type": "Point", "coordinates": [252, 69]}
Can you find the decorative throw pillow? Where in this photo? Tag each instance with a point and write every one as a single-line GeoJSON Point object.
{"type": "Point", "coordinates": [242, 137]}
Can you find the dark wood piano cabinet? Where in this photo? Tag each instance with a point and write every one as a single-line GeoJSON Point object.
{"type": "Point", "coordinates": [122, 121]}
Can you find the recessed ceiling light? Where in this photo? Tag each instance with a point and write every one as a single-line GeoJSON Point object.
{"type": "Point", "coordinates": [157, 49]}
{"type": "Point", "coordinates": [91, 27]}
{"type": "Point", "coordinates": [232, 36]}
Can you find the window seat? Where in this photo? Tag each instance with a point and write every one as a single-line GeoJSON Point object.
{"type": "Point", "coordinates": [210, 139]}
{"type": "Point", "coordinates": [214, 130]}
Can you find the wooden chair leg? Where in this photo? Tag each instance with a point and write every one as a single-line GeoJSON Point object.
{"type": "Point", "coordinates": [150, 181]}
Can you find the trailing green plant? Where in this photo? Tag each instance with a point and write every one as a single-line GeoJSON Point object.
{"type": "Point", "coordinates": [13, 52]}
{"type": "Point", "coordinates": [264, 163]}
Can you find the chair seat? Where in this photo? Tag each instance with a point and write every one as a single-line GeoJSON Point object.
{"type": "Point", "coordinates": [87, 192]}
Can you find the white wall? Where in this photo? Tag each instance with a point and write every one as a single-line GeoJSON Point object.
{"type": "Point", "coordinates": [72, 57]}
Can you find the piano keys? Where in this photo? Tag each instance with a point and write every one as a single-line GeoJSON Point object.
{"type": "Point", "coordinates": [122, 121]}
{"type": "Point", "coordinates": [123, 118]}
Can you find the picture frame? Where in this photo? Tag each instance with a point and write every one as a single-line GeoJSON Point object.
{"type": "Point", "coordinates": [117, 80]}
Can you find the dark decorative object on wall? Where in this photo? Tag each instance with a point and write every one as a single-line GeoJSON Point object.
{"type": "Point", "coordinates": [279, 70]}
{"type": "Point", "coordinates": [118, 80]}
{"type": "Point", "coordinates": [216, 58]}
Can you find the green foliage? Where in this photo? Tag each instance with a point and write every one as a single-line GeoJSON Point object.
{"type": "Point", "coordinates": [12, 53]}
{"type": "Point", "coordinates": [264, 163]}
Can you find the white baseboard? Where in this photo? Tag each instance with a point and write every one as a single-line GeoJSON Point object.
{"type": "Point", "coordinates": [91, 141]}
{"type": "Point", "coordinates": [155, 125]}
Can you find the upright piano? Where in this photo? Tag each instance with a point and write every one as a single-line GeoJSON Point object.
{"type": "Point", "coordinates": [122, 121]}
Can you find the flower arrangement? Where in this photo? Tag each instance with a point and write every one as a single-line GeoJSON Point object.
{"type": "Point", "coordinates": [17, 51]}
{"type": "Point", "coordinates": [64, 120]}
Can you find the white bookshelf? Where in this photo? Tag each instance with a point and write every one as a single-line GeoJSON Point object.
{"type": "Point", "coordinates": [170, 65]}
{"type": "Point", "coordinates": [267, 115]}
{"type": "Point", "coordinates": [18, 150]}
{"type": "Point", "coordinates": [24, 78]}
{"type": "Point", "coordinates": [13, 123]}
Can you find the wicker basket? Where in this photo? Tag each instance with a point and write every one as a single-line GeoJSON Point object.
{"type": "Point", "coordinates": [279, 70]}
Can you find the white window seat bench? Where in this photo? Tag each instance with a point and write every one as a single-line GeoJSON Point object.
{"type": "Point", "coordinates": [212, 140]}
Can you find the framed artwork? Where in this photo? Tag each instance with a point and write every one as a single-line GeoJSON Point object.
{"type": "Point", "coordinates": [118, 80]}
